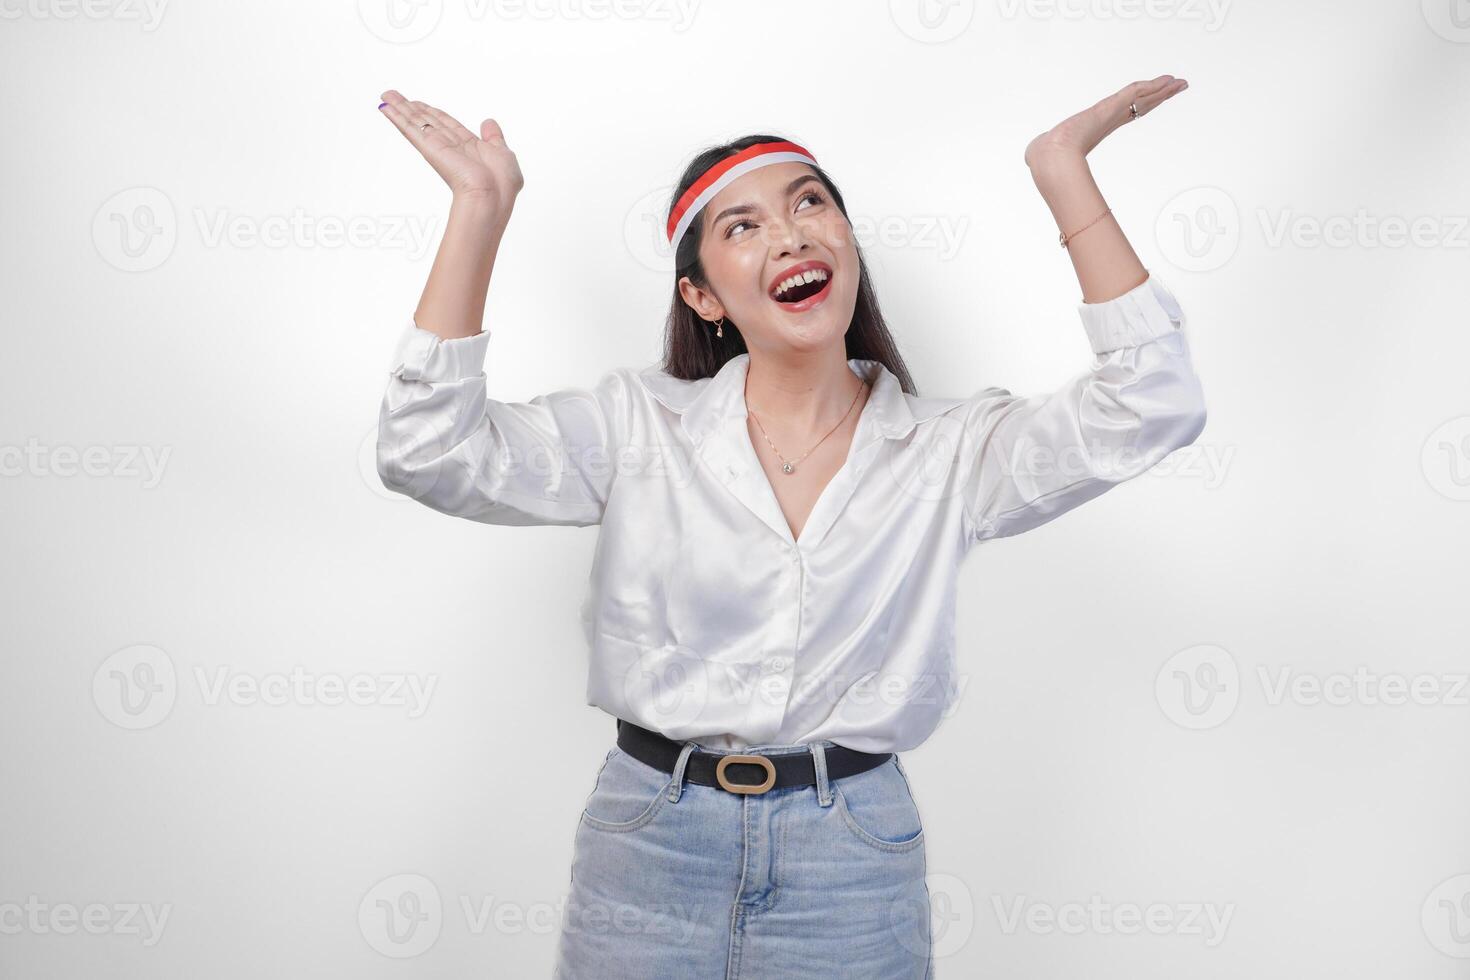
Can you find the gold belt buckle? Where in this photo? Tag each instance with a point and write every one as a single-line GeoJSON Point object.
{"type": "Point", "coordinates": [759, 760]}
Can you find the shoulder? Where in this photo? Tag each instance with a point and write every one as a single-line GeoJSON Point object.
{"type": "Point", "coordinates": [953, 420]}
{"type": "Point", "coordinates": [656, 385]}
{"type": "Point", "coordinates": [924, 409]}
{"type": "Point", "coordinates": [631, 393]}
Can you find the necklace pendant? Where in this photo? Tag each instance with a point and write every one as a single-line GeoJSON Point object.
{"type": "Point", "coordinates": [787, 468]}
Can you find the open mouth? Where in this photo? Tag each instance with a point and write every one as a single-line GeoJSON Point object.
{"type": "Point", "coordinates": [804, 286]}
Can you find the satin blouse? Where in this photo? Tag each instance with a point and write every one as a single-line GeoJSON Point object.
{"type": "Point", "coordinates": [705, 618]}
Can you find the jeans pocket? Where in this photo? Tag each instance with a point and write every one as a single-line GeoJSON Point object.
{"type": "Point", "coordinates": [879, 809]}
{"type": "Point", "coordinates": [628, 793]}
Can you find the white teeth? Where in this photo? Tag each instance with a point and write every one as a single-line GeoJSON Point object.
{"type": "Point", "coordinates": [811, 275]}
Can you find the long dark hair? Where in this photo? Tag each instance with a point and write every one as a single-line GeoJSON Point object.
{"type": "Point", "coordinates": [691, 349]}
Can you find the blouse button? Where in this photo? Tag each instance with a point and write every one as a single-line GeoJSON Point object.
{"type": "Point", "coordinates": [778, 664]}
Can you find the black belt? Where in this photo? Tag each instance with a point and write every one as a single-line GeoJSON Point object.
{"type": "Point", "coordinates": [715, 769]}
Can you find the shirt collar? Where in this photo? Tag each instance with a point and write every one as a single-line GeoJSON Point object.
{"type": "Point", "coordinates": [712, 412]}
{"type": "Point", "coordinates": [707, 403]}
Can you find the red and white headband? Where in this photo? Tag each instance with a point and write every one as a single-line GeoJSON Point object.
{"type": "Point", "coordinates": [719, 176]}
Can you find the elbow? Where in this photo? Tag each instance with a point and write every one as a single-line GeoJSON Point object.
{"type": "Point", "coordinates": [391, 471]}
{"type": "Point", "coordinates": [1181, 422]}
{"type": "Point", "coordinates": [410, 457]}
{"type": "Point", "coordinates": [1194, 425]}
{"type": "Point", "coordinates": [394, 468]}
{"type": "Point", "coordinates": [1173, 419]}
{"type": "Point", "coordinates": [1192, 412]}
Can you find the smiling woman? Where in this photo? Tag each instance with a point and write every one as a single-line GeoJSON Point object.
{"type": "Point", "coordinates": [772, 600]}
{"type": "Point", "coordinates": [787, 191]}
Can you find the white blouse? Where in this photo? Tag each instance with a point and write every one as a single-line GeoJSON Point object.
{"type": "Point", "coordinates": [705, 618]}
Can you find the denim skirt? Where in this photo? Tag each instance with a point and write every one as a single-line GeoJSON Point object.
{"type": "Point", "coordinates": [673, 880]}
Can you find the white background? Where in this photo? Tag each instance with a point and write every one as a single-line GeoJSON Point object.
{"type": "Point", "coordinates": [1318, 527]}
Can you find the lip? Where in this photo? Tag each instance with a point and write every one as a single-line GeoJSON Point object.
{"type": "Point", "coordinates": [811, 301]}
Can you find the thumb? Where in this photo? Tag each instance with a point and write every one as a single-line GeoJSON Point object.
{"type": "Point", "coordinates": [490, 132]}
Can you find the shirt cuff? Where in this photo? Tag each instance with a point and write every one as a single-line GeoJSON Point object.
{"type": "Point", "coordinates": [1146, 312]}
{"type": "Point", "coordinates": [425, 356]}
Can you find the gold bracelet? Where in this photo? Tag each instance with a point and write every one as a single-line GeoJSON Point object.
{"type": "Point", "coordinates": [1063, 239]}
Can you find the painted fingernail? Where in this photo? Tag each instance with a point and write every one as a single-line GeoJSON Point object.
{"type": "Point", "coordinates": [381, 104]}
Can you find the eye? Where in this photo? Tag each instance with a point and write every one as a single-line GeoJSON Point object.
{"type": "Point", "coordinates": [813, 194]}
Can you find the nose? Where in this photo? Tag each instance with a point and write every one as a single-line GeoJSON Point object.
{"type": "Point", "coordinates": [789, 236]}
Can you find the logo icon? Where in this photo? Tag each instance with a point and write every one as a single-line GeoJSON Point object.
{"type": "Point", "coordinates": [932, 21]}
{"type": "Point", "coordinates": [400, 21]}
{"type": "Point", "coordinates": [135, 230]}
{"type": "Point", "coordinates": [135, 688]}
{"type": "Point", "coordinates": [1199, 229]}
{"type": "Point", "coordinates": [401, 916]}
{"type": "Point", "coordinates": [1445, 458]}
{"type": "Point", "coordinates": [1446, 917]}
{"type": "Point", "coordinates": [1198, 687]}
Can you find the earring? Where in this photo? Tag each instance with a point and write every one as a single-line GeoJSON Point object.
{"type": "Point", "coordinates": [720, 328]}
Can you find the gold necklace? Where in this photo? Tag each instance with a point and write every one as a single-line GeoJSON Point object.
{"type": "Point", "coordinates": [789, 466]}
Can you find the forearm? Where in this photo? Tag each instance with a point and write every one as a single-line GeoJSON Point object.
{"type": "Point", "coordinates": [453, 301]}
{"type": "Point", "coordinates": [1105, 263]}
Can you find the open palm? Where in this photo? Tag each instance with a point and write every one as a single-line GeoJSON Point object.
{"type": "Point", "coordinates": [1080, 133]}
{"type": "Point", "coordinates": [472, 166]}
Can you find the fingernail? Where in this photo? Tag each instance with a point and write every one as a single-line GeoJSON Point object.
{"type": "Point", "coordinates": [381, 104]}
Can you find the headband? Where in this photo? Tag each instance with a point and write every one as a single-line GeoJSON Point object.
{"type": "Point", "coordinates": [720, 176]}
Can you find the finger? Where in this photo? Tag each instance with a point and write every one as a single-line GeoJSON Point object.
{"type": "Point", "coordinates": [434, 134]}
{"type": "Point", "coordinates": [1136, 92]}
{"type": "Point", "coordinates": [434, 130]}
{"type": "Point", "coordinates": [1155, 96]}
{"type": "Point", "coordinates": [411, 112]}
{"type": "Point", "coordinates": [491, 132]}
{"type": "Point", "coordinates": [396, 98]}
{"type": "Point", "coordinates": [399, 114]}
{"type": "Point", "coordinates": [1142, 95]}
{"type": "Point", "coordinates": [448, 123]}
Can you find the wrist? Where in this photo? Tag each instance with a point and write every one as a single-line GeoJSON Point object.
{"type": "Point", "coordinates": [483, 208]}
{"type": "Point", "coordinates": [1056, 164]}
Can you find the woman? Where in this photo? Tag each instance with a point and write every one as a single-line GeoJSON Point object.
{"type": "Point", "coordinates": [772, 599]}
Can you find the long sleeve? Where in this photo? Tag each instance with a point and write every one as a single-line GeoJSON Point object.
{"type": "Point", "coordinates": [443, 442]}
{"type": "Point", "coordinates": [1028, 460]}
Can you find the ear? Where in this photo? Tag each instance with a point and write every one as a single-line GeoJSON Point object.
{"type": "Point", "coordinates": [702, 301]}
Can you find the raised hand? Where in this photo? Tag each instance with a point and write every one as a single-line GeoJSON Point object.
{"type": "Point", "coordinates": [1078, 134]}
{"type": "Point", "coordinates": [1105, 262]}
{"type": "Point", "coordinates": [479, 167]}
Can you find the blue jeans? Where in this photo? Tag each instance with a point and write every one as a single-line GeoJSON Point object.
{"type": "Point", "coordinates": [673, 880]}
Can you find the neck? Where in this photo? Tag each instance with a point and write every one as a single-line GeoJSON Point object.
{"type": "Point", "coordinates": [802, 394]}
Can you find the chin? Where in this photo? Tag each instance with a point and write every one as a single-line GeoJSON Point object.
{"type": "Point", "coordinates": [821, 329]}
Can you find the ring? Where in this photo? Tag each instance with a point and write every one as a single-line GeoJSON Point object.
{"type": "Point", "coordinates": [1133, 110]}
{"type": "Point", "coordinates": [425, 126]}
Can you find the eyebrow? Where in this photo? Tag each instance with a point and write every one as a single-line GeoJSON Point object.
{"type": "Point", "coordinates": [750, 208]}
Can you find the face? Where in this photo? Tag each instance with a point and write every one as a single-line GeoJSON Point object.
{"type": "Point", "coordinates": [768, 226]}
